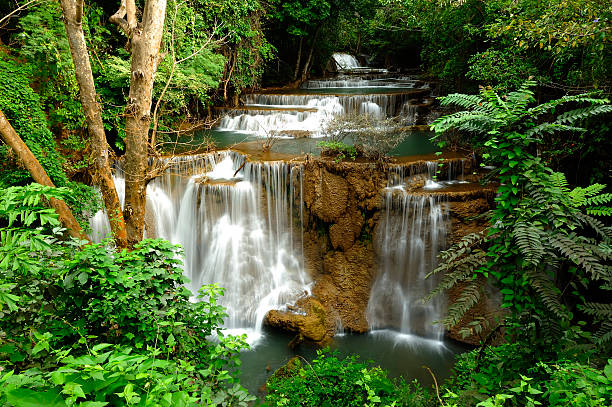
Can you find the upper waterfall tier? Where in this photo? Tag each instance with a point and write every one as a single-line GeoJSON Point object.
{"type": "Point", "coordinates": [346, 61]}
{"type": "Point", "coordinates": [346, 81]}
{"type": "Point", "coordinates": [284, 113]}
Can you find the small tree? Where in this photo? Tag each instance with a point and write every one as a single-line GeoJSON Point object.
{"type": "Point", "coordinates": [372, 137]}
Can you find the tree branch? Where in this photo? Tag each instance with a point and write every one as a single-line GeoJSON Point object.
{"type": "Point", "coordinates": [127, 8]}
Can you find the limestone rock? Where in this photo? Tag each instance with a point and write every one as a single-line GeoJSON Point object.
{"type": "Point", "coordinates": [312, 323]}
{"type": "Point", "coordinates": [348, 228]}
{"type": "Point", "coordinates": [345, 286]}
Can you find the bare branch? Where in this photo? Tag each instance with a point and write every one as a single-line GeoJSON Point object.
{"type": "Point", "coordinates": [18, 9]}
{"type": "Point", "coordinates": [128, 8]}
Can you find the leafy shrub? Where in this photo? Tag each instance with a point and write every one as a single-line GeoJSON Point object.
{"type": "Point", "coordinates": [338, 149]}
{"type": "Point", "coordinates": [515, 375]}
{"type": "Point", "coordinates": [372, 137]}
{"type": "Point", "coordinates": [62, 304]}
{"type": "Point", "coordinates": [331, 381]}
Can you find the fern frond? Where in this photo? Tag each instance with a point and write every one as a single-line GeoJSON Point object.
{"type": "Point", "coordinates": [470, 295]}
{"type": "Point", "coordinates": [544, 108]}
{"type": "Point", "coordinates": [580, 194]}
{"type": "Point", "coordinates": [602, 230]}
{"type": "Point", "coordinates": [458, 271]}
{"type": "Point", "coordinates": [521, 98]}
{"type": "Point", "coordinates": [598, 310]}
{"type": "Point", "coordinates": [604, 333]}
{"type": "Point", "coordinates": [550, 128]}
{"type": "Point", "coordinates": [548, 293]}
{"type": "Point", "coordinates": [600, 211]}
{"type": "Point", "coordinates": [599, 199]}
{"type": "Point", "coordinates": [578, 254]}
{"type": "Point", "coordinates": [529, 240]}
{"type": "Point", "coordinates": [583, 113]}
{"type": "Point", "coordinates": [462, 100]}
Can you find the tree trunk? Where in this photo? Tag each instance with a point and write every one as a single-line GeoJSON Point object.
{"type": "Point", "coordinates": [38, 173]}
{"type": "Point", "coordinates": [145, 41]}
{"type": "Point", "coordinates": [299, 60]}
{"type": "Point", "coordinates": [73, 13]}
{"type": "Point", "coordinates": [309, 59]}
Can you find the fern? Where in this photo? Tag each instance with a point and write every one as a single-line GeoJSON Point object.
{"type": "Point", "coordinates": [580, 114]}
{"type": "Point", "coordinates": [470, 295]}
{"type": "Point", "coordinates": [548, 293]}
{"type": "Point", "coordinates": [603, 313]}
{"type": "Point", "coordinates": [529, 240]}
{"type": "Point", "coordinates": [543, 228]}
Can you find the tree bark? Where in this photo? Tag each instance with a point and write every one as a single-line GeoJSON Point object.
{"type": "Point", "coordinates": [309, 59]}
{"type": "Point", "coordinates": [299, 60]}
{"type": "Point", "coordinates": [146, 39]}
{"type": "Point", "coordinates": [38, 173]}
{"type": "Point", "coordinates": [73, 13]}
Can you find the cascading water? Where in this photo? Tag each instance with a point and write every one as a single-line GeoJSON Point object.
{"type": "Point", "coordinates": [273, 112]}
{"type": "Point", "coordinates": [236, 225]}
{"type": "Point", "coordinates": [345, 61]}
{"type": "Point", "coordinates": [310, 108]}
{"type": "Point", "coordinates": [408, 239]}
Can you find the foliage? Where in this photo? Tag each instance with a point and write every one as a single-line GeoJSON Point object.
{"type": "Point", "coordinates": [331, 381]}
{"type": "Point", "coordinates": [513, 375]}
{"type": "Point", "coordinates": [63, 303]}
{"type": "Point", "coordinates": [338, 149]}
{"type": "Point", "coordinates": [23, 109]}
{"type": "Point", "coordinates": [562, 43]}
{"type": "Point", "coordinates": [543, 236]}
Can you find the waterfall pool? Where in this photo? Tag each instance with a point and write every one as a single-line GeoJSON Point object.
{"type": "Point", "coordinates": [417, 143]}
{"type": "Point", "coordinates": [400, 354]}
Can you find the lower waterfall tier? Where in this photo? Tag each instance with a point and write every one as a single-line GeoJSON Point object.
{"type": "Point", "coordinates": [315, 247]}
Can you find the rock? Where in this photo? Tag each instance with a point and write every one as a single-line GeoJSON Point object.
{"type": "Point", "coordinates": [313, 324]}
{"type": "Point", "coordinates": [325, 194]}
{"type": "Point", "coordinates": [348, 228]}
{"type": "Point", "coordinates": [345, 286]}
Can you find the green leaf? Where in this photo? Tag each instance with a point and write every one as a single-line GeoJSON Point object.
{"type": "Point", "coordinates": [30, 398]}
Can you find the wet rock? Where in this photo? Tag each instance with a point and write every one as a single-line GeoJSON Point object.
{"type": "Point", "coordinates": [343, 233]}
{"type": "Point", "coordinates": [313, 324]}
{"type": "Point", "coordinates": [345, 286]}
{"type": "Point", "coordinates": [325, 194]}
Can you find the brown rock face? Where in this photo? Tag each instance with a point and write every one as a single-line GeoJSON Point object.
{"type": "Point", "coordinates": [325, 194]}
{"type": "Point", "coordinates": [345, 285]}
{"type": "Point", "coordinates": [343, 233]}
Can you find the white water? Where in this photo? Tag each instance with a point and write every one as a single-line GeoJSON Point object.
{"type": "Point", "coordinates": [345, 61]}
{"type": "Point", "coordinates": [408, 239]}
{"type": "Point", "coordinates": [242, 232]}
{"type": "Point", "coordinates": [345, 81]}
{"type": "Point", "coordinates": [264, 121]}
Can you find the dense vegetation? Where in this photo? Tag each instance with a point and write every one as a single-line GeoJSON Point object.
{"type": "Point", "coordinates": [95, 325]}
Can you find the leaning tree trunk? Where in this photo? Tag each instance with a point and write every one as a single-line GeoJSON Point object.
{"type": "Point", "coordinates": [73, 21]}
{"type": "Point", "coordinates": [299, 59]}
{"type": "Point", "coordinates": [38, 173]}
{"type": "Point", "coordinates": [306, 68]}
{"type": "Point", "coordinates": [145, 38]}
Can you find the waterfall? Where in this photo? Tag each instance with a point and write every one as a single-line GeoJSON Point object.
{"type": "Point", "coordinates": [238, 226]}
{"type": "Point", "coordinates": [273, 112]}
{"type": "Point", "coordinates": [408, 239]}
{"type": "Point", "coordinates": [345, 61]}
{"type": "Point", "coordinates": [358, 82]}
